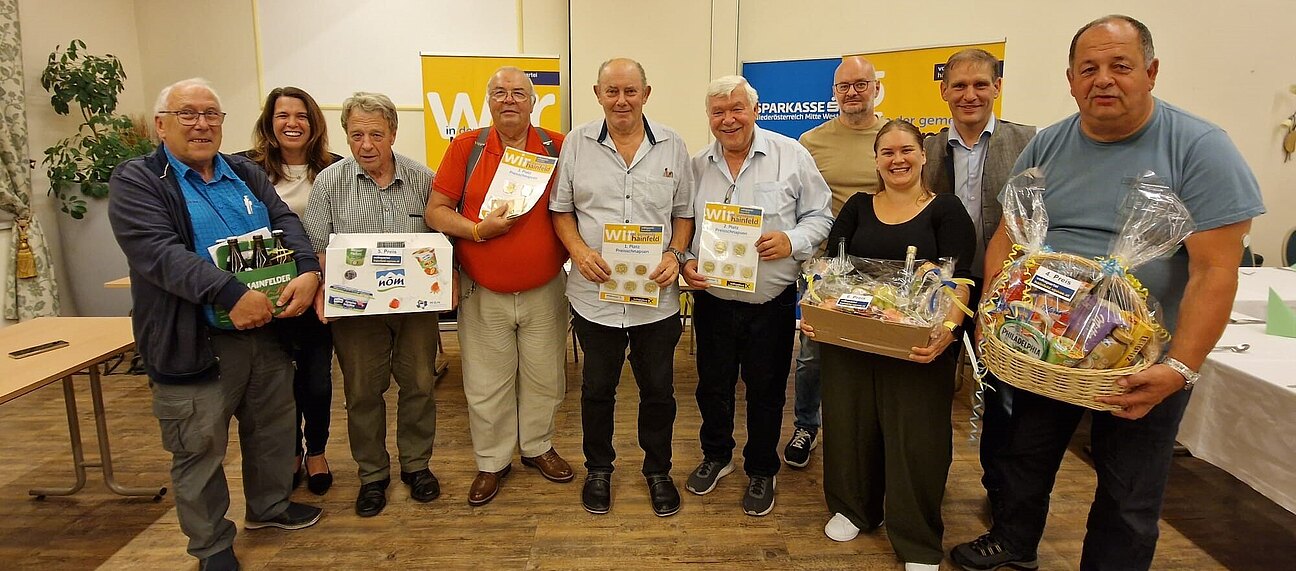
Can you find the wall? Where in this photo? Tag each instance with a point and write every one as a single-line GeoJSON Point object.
{"type": "Point", "coordinates": [1238, 77]}
{"type": "Point", "coordinates": [672, 39]}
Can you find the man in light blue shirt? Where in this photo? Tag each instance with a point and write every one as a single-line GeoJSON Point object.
{"type": "Point", "coordinates": [749, 332]}
{"type": "Point", "coordinates": [624, 169]}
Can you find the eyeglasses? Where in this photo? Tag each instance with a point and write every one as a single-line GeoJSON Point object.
{"type": "Point", "coordinates": [189, 117]}
{"type": "Point", "coordinates": [860, 86]}
{"type": "Point", "coordinates": [500, 96]}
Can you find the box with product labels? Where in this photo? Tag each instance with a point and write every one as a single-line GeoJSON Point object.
{"type": "Point", "coordinates": [864, 333]}
{"type": "Point", "coordinates": [373, 274]}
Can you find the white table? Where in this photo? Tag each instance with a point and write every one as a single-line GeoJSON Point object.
{"type": "Point", "coordinates": [1242, 415]}
{"type": "Point", "coordinates": [1253, 289]}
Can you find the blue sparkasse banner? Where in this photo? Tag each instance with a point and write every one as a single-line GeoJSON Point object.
{"type": "Point", "coordinates": [795, 95]}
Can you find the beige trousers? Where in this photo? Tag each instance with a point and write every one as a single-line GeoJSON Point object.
{"type": "Point", "coordinates": [513, 347]}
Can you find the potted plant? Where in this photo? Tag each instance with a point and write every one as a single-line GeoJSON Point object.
{"type": "Point", "coordinates": [79, 166]}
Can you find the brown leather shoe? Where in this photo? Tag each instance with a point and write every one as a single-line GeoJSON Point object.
{"type": "Point", "coordinates": [551, 466]}
{"type": "Point", "coordinates": [486, 485]}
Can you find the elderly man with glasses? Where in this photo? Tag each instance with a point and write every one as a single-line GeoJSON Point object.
{"type": "Point", "coordinates": [842, 148]}
{"type": "Point", "coordinates": [165, 210]}
{"type": "Point", "coordinates": [375, 191]}
{"type": "Point", "coordinates": [512, 292]}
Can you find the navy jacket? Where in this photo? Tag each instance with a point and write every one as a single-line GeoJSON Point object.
{"type": "Point", "coordinates": [170, 283]}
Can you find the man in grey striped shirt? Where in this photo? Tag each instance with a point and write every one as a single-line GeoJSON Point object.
{"type": "Point", "coordinates": [379, 191]}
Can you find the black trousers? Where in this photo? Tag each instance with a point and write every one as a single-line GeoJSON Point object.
{"type": "Point", "coordinates": [311, 345]}
{"type": "Point", "coordinates": [652, 359]}
{"type": "Point", "coordinates": [753, 341]}
{"type": "Point", "coordinates": [1132, 460]}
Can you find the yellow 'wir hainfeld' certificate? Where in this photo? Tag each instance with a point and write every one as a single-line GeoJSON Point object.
{"type": "Point", "coordinates": [633, 251]}
{"type": "Point", "coordinates": [729, 233]}
{"type": "Point", "coordinates": [519, 182]}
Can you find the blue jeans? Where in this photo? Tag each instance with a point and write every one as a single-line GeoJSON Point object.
{"type": "Point", "coordinates": [808, 391]}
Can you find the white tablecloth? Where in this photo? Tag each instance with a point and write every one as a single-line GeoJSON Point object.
{"type": "Point", "coordinates": [1242, 414]}
{"type": "Point", "coordinates": [1253, 289]}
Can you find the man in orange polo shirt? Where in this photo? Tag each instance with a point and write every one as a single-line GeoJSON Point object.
{"type": "Point", "coordinates": [512, 293]}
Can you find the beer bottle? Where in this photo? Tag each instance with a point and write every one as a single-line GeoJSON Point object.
{"type": "Point", "coordinates": [235, 263]}
{"type": "Point", "coordinates": [280, 253]}
{"type": "Point", "coordinates": [260, 257]}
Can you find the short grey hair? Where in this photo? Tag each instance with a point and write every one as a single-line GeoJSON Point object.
{"type": "Point", "coordinates": [165, 95]}
{"type": "Point", "coordinates": [490, 83]}
{"type": "Point", "coordinates": [724, 85]}
{"type": "Point", "coordinates": [1144, 35]}
{"type": "Point", "coordinates": [370, 103]}
{"type": "Point", "coordinates": [643, 76]}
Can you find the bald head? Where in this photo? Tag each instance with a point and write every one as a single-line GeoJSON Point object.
{"type": "Point", "coordinates": [855, 87]}
{"type": "Point", "coordinates": [622, 65]}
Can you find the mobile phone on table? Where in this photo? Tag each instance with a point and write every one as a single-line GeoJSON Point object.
{"type": "Point", "coordinates": [37, 349]}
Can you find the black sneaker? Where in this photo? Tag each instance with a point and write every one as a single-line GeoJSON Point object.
{"type": "Point", "coordinates": [986, 553]}
{"type": "Point", "coordinates": [704, 478]}
{"type": "Point", "coordinates": [759, 499]}
{"type": "Point", "coordinates": [797, 453]}
{"type": "Point", "coordinates": [295, 516]}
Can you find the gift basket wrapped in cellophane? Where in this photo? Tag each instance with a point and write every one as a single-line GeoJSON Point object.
{"type": "Point", "coordinates": [911, 294]}
{"type": "Point", "coordinates": [1068, 327]}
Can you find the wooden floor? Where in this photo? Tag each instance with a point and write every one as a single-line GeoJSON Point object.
{"type": "Point", "coordinates": [1211, 521]}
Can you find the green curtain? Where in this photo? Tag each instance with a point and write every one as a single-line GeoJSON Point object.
{"type": "Point", "coordinates": [28, 297]}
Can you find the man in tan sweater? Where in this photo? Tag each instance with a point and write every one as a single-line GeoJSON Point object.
{"type": "Point", "coordinates": [843, 150]}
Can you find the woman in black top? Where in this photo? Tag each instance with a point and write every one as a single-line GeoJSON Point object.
{"type": "Point", "coordinates": [887, 420]}
{"type": "Point", "coordinates": [290, 142]}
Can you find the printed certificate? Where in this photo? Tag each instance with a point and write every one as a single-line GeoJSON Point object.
{"type": "Point", "coordinates": [633, 251]}
{"type": "Point", "coordinates": [519, 182]}
{"type": "Point", "coordinates": [728, 258]}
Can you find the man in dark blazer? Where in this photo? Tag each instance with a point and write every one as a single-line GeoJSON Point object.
{"type": "Point", "coordinates": [975, 158]}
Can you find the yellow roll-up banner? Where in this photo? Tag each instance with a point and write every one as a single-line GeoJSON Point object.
{"type": "Point", "coordinates": [910, 80]}
{"type": "Point", "coordinates": [455, 100]}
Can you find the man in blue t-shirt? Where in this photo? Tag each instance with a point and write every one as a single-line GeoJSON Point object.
{"type": "Point", "coordinates": [1120, 132]}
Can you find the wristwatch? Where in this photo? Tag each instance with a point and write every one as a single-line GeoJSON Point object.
{"type": "Point", "coordinates": [1190, 376]}
{"type": "Point", "coordinates": [679, 256]}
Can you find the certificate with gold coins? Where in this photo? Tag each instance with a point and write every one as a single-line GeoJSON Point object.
{"type": "Point", "coordinates": [729, 233]}
{"type": "Point", "coordinates": [633, 251]}
{"type": "Point", "coordinates": [519, 182]}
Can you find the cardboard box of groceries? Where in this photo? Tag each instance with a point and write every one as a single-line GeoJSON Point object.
{"type": "Point", "coordinates": [373, 274]}
{"type": "Point", "coordinates": [862, 333]}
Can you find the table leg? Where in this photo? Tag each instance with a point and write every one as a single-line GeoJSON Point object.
{"type": "Point", "coordinates": [105, 455]}
{"type": "Point", "coordinates": [78, 456]}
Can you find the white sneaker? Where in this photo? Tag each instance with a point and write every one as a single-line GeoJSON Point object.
{"type": "Point", "coordinates": [840, 528]}
{"type": "Point", "coordinates": [921, 567]}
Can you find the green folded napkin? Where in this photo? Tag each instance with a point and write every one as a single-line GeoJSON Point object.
{"type": "Point", "coordinates": [1281, 321]}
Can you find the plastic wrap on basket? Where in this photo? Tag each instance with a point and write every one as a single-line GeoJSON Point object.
{"type": "Point", "coordinates": [882, 289]}
{"type": "Point", "coordinates": [1078, 314]}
